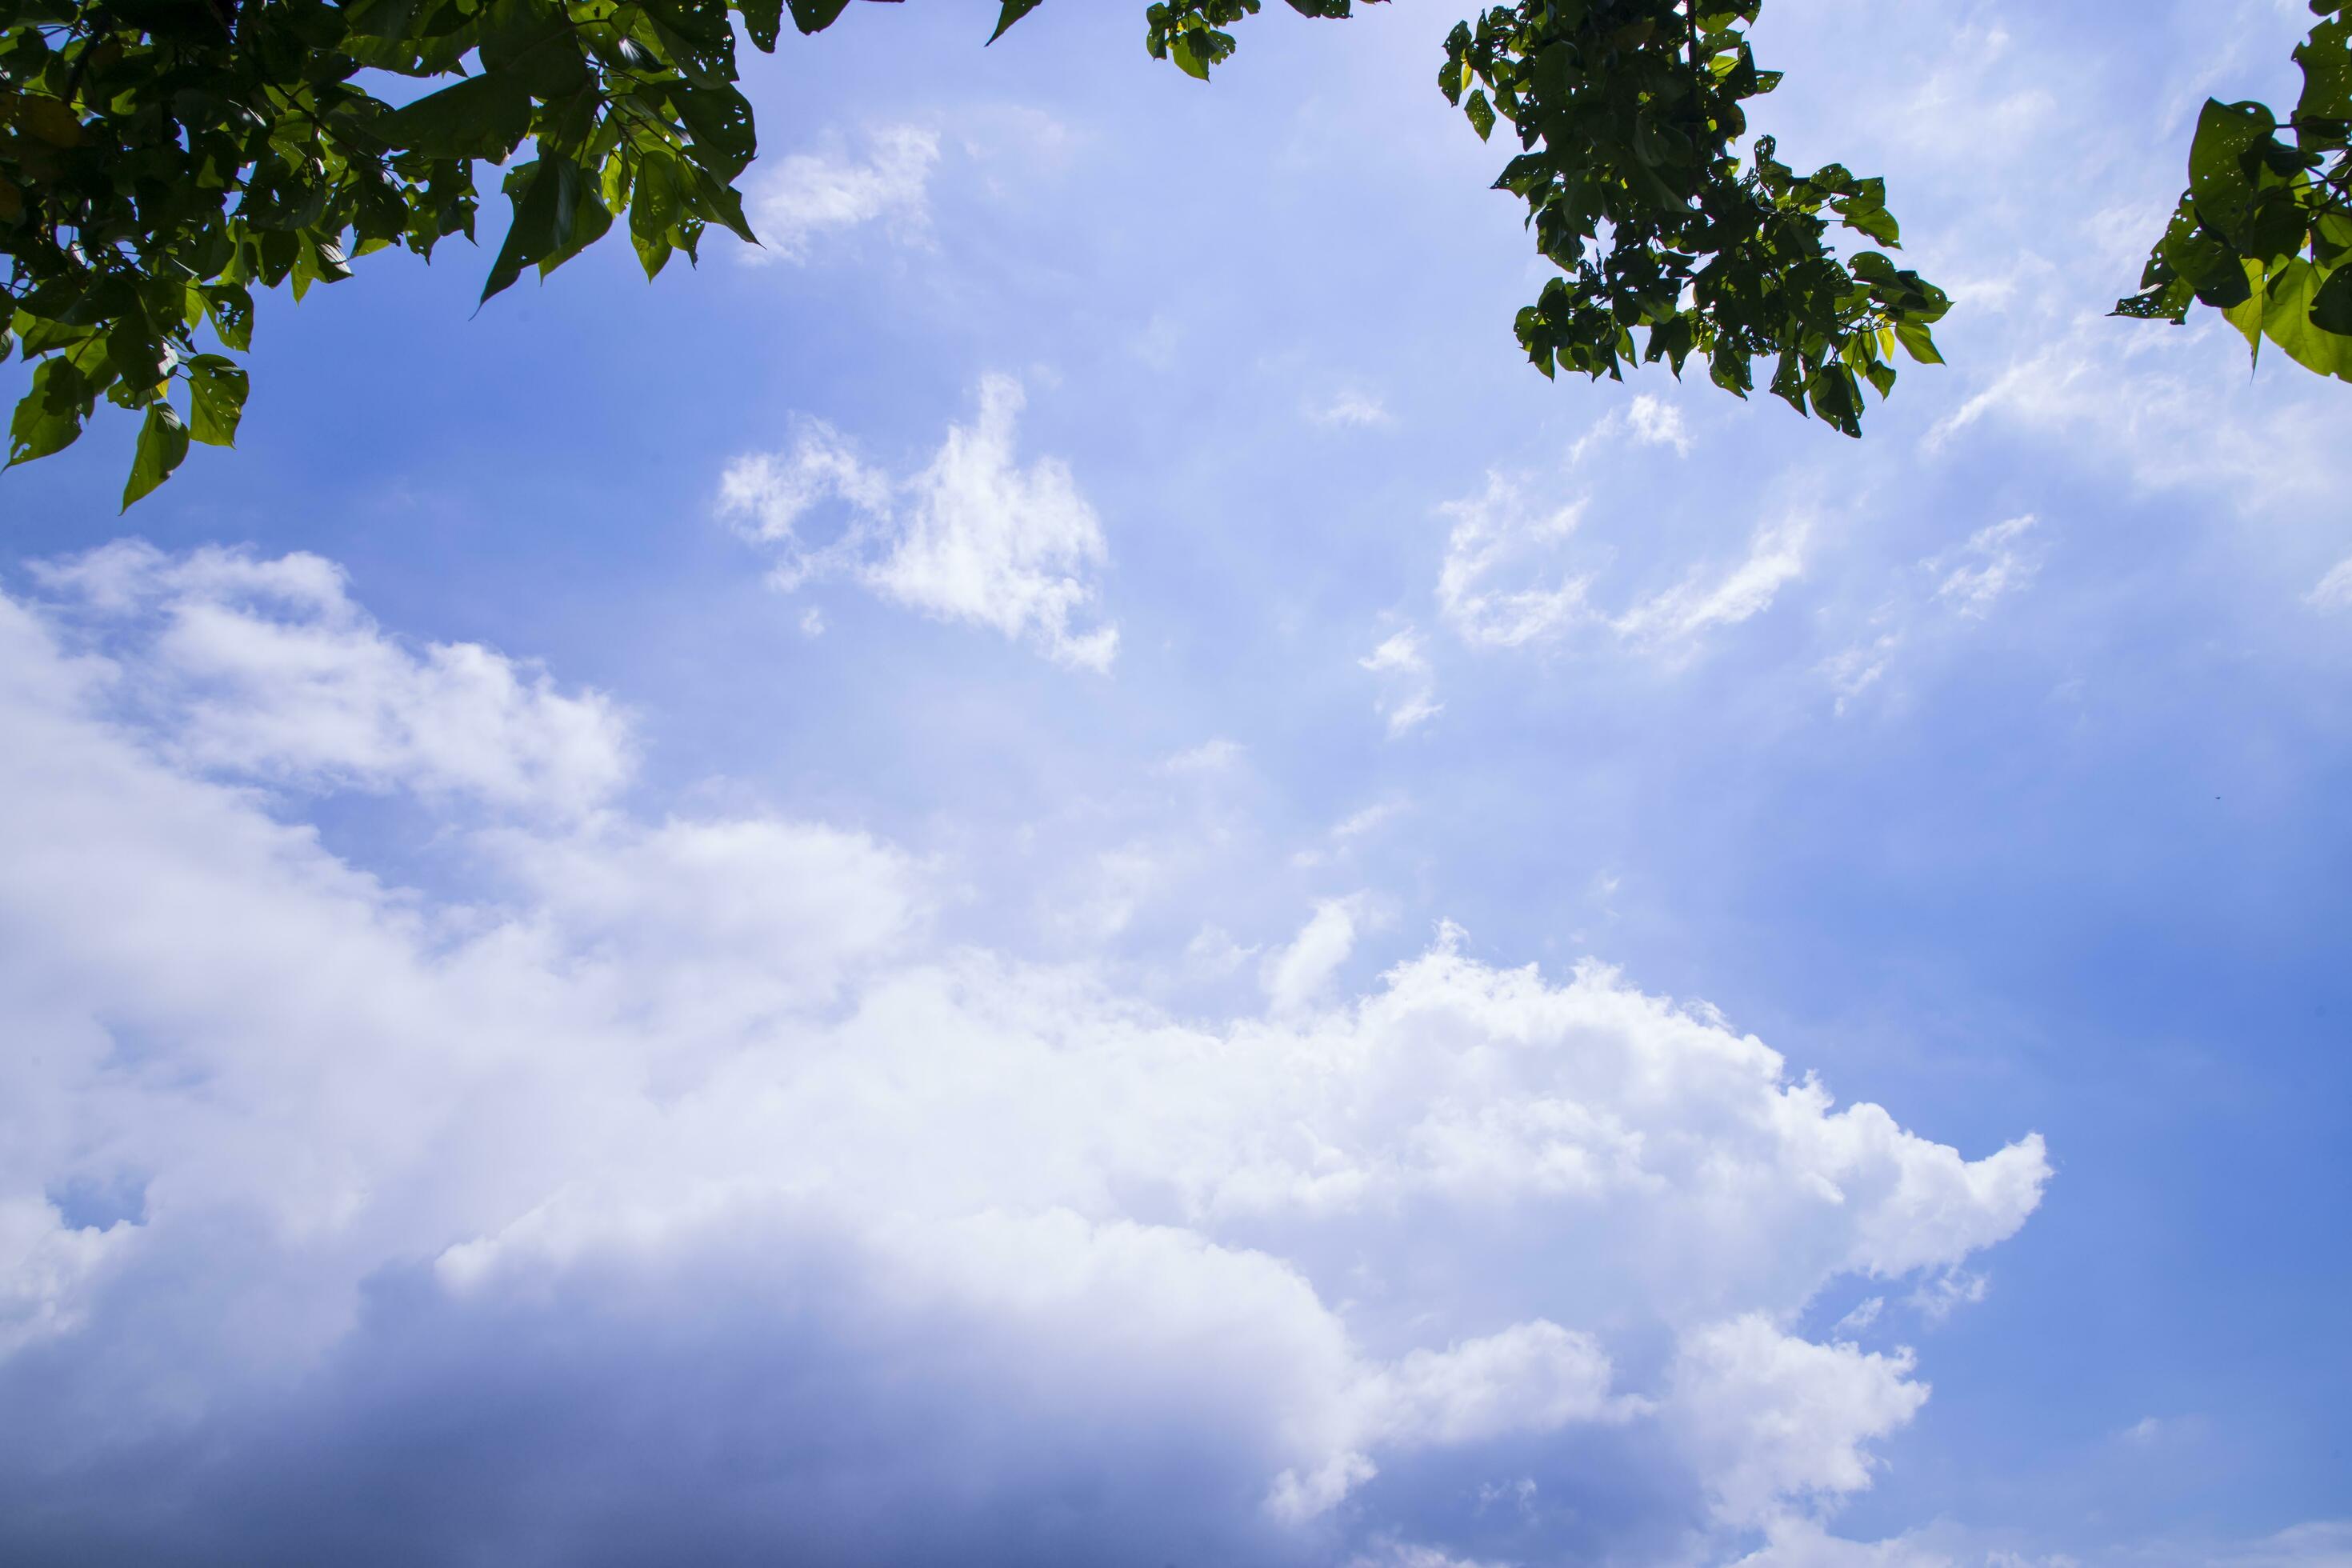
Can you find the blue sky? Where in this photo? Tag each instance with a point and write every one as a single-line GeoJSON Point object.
{"type": "Point", "coordinates": [876, 903]}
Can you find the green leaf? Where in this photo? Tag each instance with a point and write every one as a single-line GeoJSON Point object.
{"type": "Point", "coordinates": [532, 44]}
{"type": "Point", "coordinates": [816, 16]}
{"type": "Point", "coordinates": [216, 402]}
{"type": "Point", "coordinates": [49, 417]}
{"type": "Point", "coordinates": [2331, 307]}
{"type": "Point", "coordinates": [135, 355]}
{"type": "Point", "coordinates": [230, 310]}
{"type": "Point", "coordinates": [1013, 12]}
{"type": "Point", "coordinates": [2246, 315]}
{"type": "Point", "coordinates": [2286, 322]}
{"type": "Point", "coordinates": [1481, 113]}
{"type": "Point", "coordinates": [654, 211]}
{"type": "Point", "coordinates": [718, 202]}
{"type": "Point", "coordinates": [2327, 60]}
{"type": "Point", "coordinates": [1916, 340]}
{"type": "Point", "coordinates": [721, 118]}
{"type": "Point", "coordinates": [163, 442]}
{"type": "Point", "coordinates": [544, 193]}
{"type": "Point", "coordinates": [2217, 181]}
{"type": "Point", "coordinates": [48, 118]}
{"type": "Point", "coordinates": [763, 20]}
{"type": "Point", "coordinates": [1870, 218]}
{"type": "Point", "coordinates": [481, 116]}
{"type": "Point", "coordinates": [590, 221]}
{"type": "Point", "coordinates": [695, 21]}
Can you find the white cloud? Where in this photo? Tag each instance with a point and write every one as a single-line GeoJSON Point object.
{"type": "Point", "coordinates": [809, 194]}
{"type": "Point", "coordinates": [1350, 409]}
{"type": "Point", "coordinates": [1505, 581]}
{"type": "Point", "coordinates": [1300, 973]}
{"type": "Point", "coordinates": [268, 671]}
{"type": "Point", "coordinates": [1391, 1553]}
{"type": "Point", "coordinates": [1864, 1313]}
{"type": "Point", "coordinates": [1992, 563]}
{"type": "Point", "coordinates": [2333, 592]}
{"type": "Point", "coordinates": [1648, 420]}
{"type": "Point", "coordinates": [1854, 671]}
{"type": "Point", "coordinates": [1995, 562]}
{"type": "Point", "coordinates": [999, 545]}
{"type": "Point", "coordinates": [2159, 407]}
{"type": "Point", "coordinates": [1775, 558]}
{"type": "Point", "coordinates": [768, 494]}
{"type": "Point", "coordinates": [1356, 824]}
{"type": "Point", "coordinates": [1343, 834]}
{"type": "Point", "coordinates": [685, 1136]}
{"type": "Point", "coordinates": [2322, 1543]}
{"type": "Point", "coordinates": [1212, 953]}
{"type": "Point", "coordinates": [706, 924]}
{"type": "Point", "coordinates": [1215, 756]}
{"type": "Point", "coordinates": [1948, 1292]}
{"type": "Point", "coordinates": [1107, 894]}
{"type": "Point", "coordinates": [1795, 1541]}
{"type": "Point", "coordinates": [972, 537]}
{"type": "Point", "coordinates": [1533, 1377]}
{"type": "Point", "coordinates": [1411, 697]}
{"type": "Point", "coordinates": [1497, 535]}
{"type": "Point", "coordinates": [1658, 424]}
{"type": "Point", "coordinates": [1781, 1418]}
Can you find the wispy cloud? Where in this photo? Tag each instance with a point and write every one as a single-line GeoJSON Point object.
{"type": "Point", "coordinates": [1506, 582]}
{"type": "Point", "coordinates": [1646, 420]}
{"type": "Point", "coordinates": [1775, 558]}
{"type": "Point", "coordinates": [1409, 695]}
{"type": "Point", "coordinates": [1350, 409]}
{"type": "Point", "coordinates": [972, 537]}
{"type": "Point", "coordinates": [807, 196]}
{"type": "Point", "coordinates": [2334, 590]}
{"type": "Point", "coordinates": [1501, 585]}
{"type": "Point", "coordinates": [1993, 563]}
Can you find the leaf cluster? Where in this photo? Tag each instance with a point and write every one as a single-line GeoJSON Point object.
{"type": "Point", "coordinates": [1629, 113]}
{"type": "Point", "coordinates": [160, 160]}
{"type": "Point", "coordinates": [2262, 232]}
{"type": "Point", "coordinates": [1190, 32]}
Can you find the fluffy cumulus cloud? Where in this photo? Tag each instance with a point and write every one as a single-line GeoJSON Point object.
{"type": "Point", "coordinates": [680, 1196]}
{"type": "Point", "coordinates": [270, 669]}
{"type": "Point", "coordinates": [972, 536]}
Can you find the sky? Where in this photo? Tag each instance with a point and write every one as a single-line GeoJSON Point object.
{"type": "Point", "coordinates": [1057, 873]}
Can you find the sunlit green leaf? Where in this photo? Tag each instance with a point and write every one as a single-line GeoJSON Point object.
{"type": "Point", "coordinates": [216, 399]}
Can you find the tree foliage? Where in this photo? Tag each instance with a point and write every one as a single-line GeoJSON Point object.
{"type": "Point", "coordinates": [162, 160]}
{"type": "Point", "coordinates": [2262, 232]}
{"type": "Point", "coordinates": [1629, 115]}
